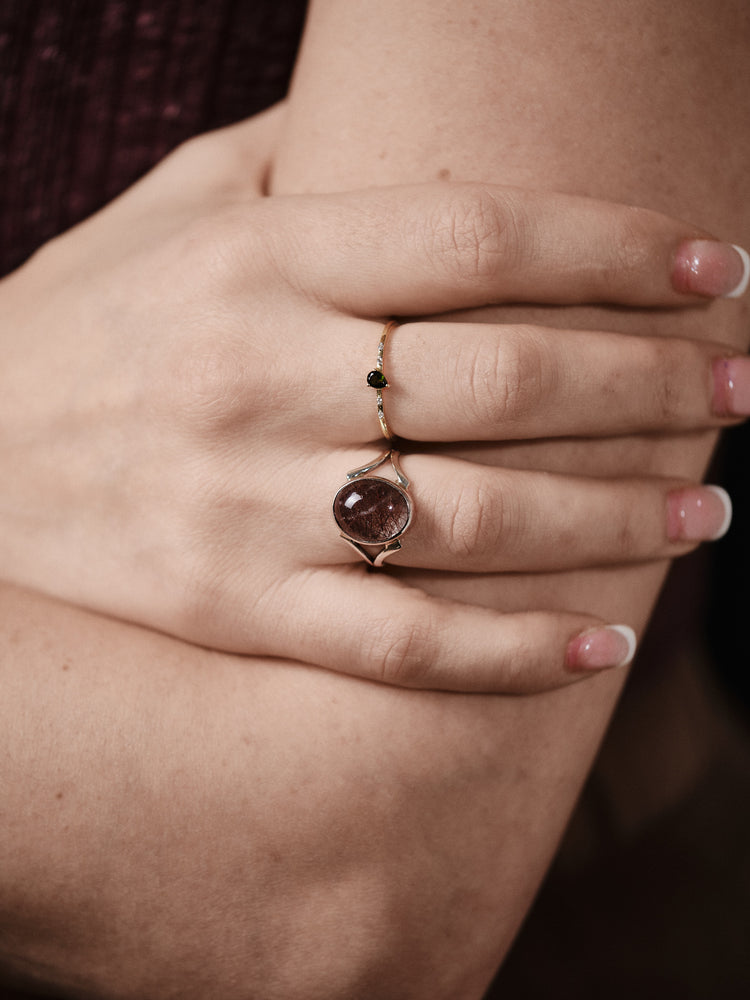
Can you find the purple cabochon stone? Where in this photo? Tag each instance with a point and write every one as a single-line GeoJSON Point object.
{"type": "Point", "coordinates": [371, 511]}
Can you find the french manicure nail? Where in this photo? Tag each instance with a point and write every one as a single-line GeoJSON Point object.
{"type": "Point", "coordinates": [613, 646]}
{"type": "Point", "coordinates": [711, 268]}
{"type": "Point", "coordinates": [732, 387]}
{"type": "Point", "coordinates": [698, 514]}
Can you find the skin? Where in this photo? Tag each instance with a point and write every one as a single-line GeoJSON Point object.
{"type": "Point", "coordinates": [167, 447]}
{"type": "Point", "coordinates": [449, 847]}
{"type": "Point", "coordinates": [147, 769]}
{"type": "Point", "coordinates": [563, 93]}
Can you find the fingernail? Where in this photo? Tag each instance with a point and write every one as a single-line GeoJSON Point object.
{"type": "Point", "coordinates": [711, 268]}
{"type": "Point", "coordinates": [698, 514]}
{"type": "Point", "coordinates": [732, 387]}
{"type": "Point", "coordinates": [613, 646]}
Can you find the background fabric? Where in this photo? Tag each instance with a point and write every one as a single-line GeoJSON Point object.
{"type": "Point", "coordinates": [95, 92]}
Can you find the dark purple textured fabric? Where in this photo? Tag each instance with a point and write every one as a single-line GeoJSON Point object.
{"type": "Point", "coordinates": [94, 92]}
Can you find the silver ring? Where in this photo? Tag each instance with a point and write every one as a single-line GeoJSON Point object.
{"type": "Point", "coordinates": [372, 513]}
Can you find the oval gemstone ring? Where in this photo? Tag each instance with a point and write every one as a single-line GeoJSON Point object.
{"type": "Point", "coordinates": [372, 513]}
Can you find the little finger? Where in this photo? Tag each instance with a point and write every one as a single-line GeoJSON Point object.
{"type": "Point", "coordinates": [382, 630]}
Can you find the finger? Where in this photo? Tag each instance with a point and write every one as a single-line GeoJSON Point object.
{"type": "Point", "coordinates": [477, 382]}
{"type": "Point", "coordinates": [435, 247]}
{"type": "Point", "coordinates": [482, 383]}
{"type": "Point", "coordinates": [471, 518]}
{"type": "Point", "coordinates": [381, 630]}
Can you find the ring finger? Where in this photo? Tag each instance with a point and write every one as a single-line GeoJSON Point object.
{"type": "Point", "coordinates": [471, 518]}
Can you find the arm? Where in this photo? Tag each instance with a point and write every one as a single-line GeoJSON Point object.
{"type": "Point", "coordinates": [623, 101]}
{"type": "Point", "coordinates": [161, 800]}
{"type": "Point", "coordinates": [188, 441]}
{"type": "Point", "coordinates": [457, 769]}
{"type": "Point", "coordinates": [248, 829]}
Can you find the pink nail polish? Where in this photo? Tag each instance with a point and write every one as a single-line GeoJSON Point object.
{"type": "Point", "coordinates": [732, 387]}
{"type": "Point", "coordinates": [613, 646]}
{"type": "Point", "coordinates": [698, 514]}
{"type": "Point", "coordinates": [711, 268]}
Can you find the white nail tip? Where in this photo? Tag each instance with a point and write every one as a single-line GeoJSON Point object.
{"type": "Point", "coordinates": [741, 288]}
{"type": "Point", "coordinates": [727, 502]}
{"type": "Point", "coordinates": [629, 635]}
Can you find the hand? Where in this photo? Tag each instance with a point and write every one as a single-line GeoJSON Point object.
{"type": "Point", "coordinates": [184, 392]}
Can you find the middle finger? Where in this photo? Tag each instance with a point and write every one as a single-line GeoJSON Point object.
{"type": "Point", "coordinates": [479, 382]}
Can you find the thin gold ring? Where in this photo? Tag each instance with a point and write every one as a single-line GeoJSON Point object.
{"type": "Point", "coordinates": [377, 380]}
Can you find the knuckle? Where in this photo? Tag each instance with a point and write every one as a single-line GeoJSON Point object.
{"type": "Point", "coordinates": [475, 385]}
{"type": "Point", "coordinates": [215, 250]}
{"type": "Point", "coordinates": [191, 591]}
{"type": "Point", "coordinates": [198, 604]}
{"type": "Point", "coordinates": [404, 652]}
{"type": "Point", "coordinates": [477, 518]}
{"type": "Point", "coordinates": [476, 234]}
{"type": "Point", "coordinates": [506, 384]}
{"type": "Point", "coordinates": [209, 384]}
{"type": "Point", "coordinates": [210, 597]}
{"type": "Point", "coordinates": [206, 368]}
{"type": "Point", "coordinates": [524, 376]}
{"type": "Point", "coordinates": [217, 255]}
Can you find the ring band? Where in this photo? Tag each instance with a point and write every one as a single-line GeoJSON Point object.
{"type": "Point", "coordinates": [377, 380]}
{"type": "Point", "coordinates": [372, 513]}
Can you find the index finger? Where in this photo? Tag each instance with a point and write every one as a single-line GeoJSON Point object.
{"type": "Point", "coordinates": [436, 247]}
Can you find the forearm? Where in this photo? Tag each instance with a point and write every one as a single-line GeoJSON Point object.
{"type": "Point", "coordinates": [246, 828]}
{"type": "Point", "coordinates": [604, 99]}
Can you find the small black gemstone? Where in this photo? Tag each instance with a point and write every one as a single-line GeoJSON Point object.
{"type": "Point", "coordinates": [377, 380]}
